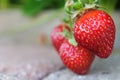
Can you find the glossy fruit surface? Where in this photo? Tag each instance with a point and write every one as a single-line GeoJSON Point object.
{"type": "Point", "coordinates": [76, 58]}
{"type": "Point", "coordinates": [95, 30]}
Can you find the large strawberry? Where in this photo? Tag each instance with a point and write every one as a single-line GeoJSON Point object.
{"type": "Point", "coordinates": [76, 58]}
{"type": "Point", "coordinates": [95, 30]}
{"type": "Point", "coordinates": [56, 37]}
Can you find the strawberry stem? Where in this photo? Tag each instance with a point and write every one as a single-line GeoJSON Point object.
{"type": "Point", "coordinates": [70, 7]}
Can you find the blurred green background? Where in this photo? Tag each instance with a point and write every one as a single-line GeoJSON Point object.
{"type": "Point", "coordinates": [33, 7]}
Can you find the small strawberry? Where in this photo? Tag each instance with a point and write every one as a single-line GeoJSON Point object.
{"type": "Point", "coordinates": [76, 58]}
{"type": "Point", "coordinates": [95, 30]}
{"type": "Point", "coordinates": [56, 37]}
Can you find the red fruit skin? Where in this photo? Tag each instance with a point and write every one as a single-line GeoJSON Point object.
{"type": "Point", "coordinates": [57, 38]}
{"type": "Point", "coordinates": [95, 30]}
{"type": "Point", "coordinates": [77, 59]}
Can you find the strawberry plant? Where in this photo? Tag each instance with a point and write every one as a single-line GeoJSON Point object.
{"type": "Point", "coordinates": [92, 33]}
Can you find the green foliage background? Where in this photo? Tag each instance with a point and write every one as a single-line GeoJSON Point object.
{"type": "Point", "coordinates": [33, 7]}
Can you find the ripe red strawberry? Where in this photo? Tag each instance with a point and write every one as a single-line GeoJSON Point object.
{"type": "Point", "coordinates": [76, 58]}
{"type": "Point", "coordinates": [95, 30]}
{"type": "Point", "coordinates": [56, 37]}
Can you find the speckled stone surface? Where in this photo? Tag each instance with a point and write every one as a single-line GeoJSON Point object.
{"type": "Point", "coordinates": [32, 62]}
{"type": "Point", "coordinates": [108, 69]}
{"type": "Point", "coordinates": [11, 77]}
